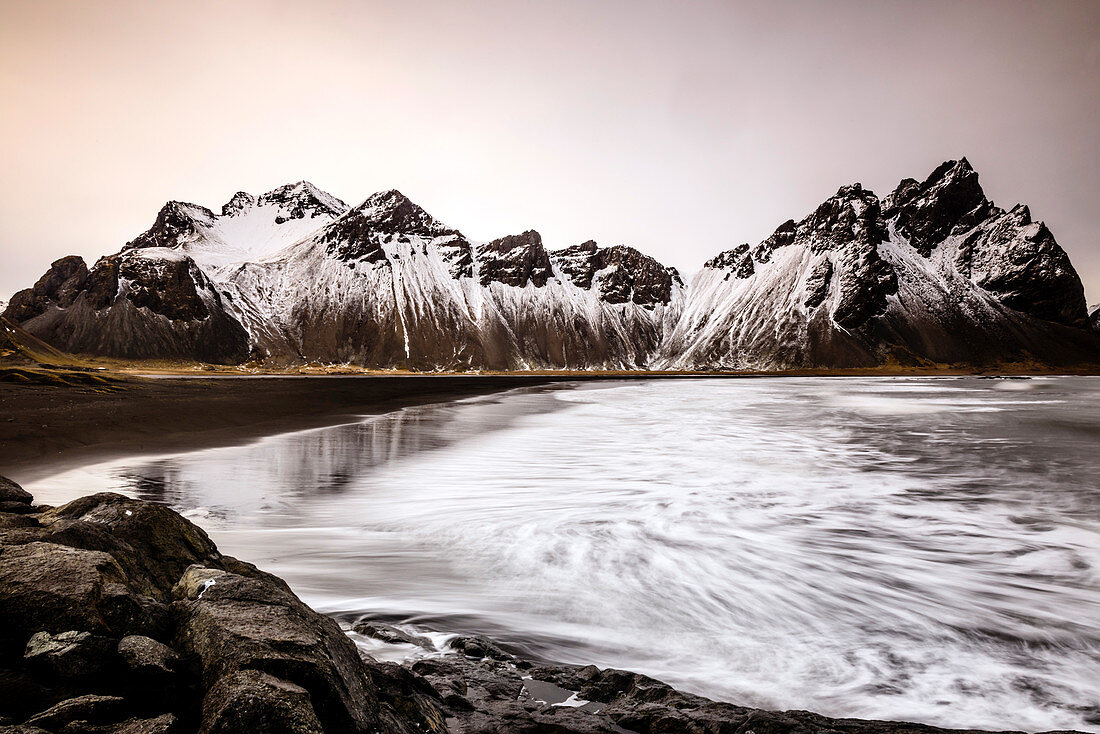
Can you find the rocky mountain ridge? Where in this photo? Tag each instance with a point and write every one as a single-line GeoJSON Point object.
{"type": "Point", "coordinates": [932, 274]}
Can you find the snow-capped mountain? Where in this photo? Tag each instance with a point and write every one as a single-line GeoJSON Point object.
{"type": "Point", "coordinates": [298, 276]}
{"type": "Point", "coordinates": [933, 273]}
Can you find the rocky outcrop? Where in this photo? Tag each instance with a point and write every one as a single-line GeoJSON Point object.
{"type": "Point", "coordinates": [515, 260]}
{"type": "Point", "coordinates": [152, 303]}
{"type": "Point", "coordinates": [119, 613]}
{"type": "Point", "coordinates": [621, 274]}
{"type": "Point", "coordinates": [61, 285]}
{"type": "Point", "coordinates": [121, 616]}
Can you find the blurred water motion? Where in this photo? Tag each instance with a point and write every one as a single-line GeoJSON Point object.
{"type": "Point", "coordinates": [920, 549]}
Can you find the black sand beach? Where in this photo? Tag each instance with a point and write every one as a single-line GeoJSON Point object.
{"type": "Point", "coordinates": [44, 425]}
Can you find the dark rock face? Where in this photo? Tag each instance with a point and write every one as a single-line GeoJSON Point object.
{"type": "Point", "coordinates": [359, 234]}
{"type": "Point", "coordinates": [117, 611]}
{"type": "Point", "coordinates": [949, 201]}
{"type": "Point", "coordinates": [817, 285]}
{"type": "Point", "coordinates": [1094, 320]}
{"type": "Point", "coordinates": [61, 284]}
{"type": "Point", "coordinates": [241, 201]}
{"type": "Point", "coordinates": [515, 260]}
{"type": "Point", "coordinates": [12, 492]}
{"type": "Point", "coordinates": [738, 262]}
{"type": "Point", "coordinates": [168, 287]}
{"type": "Point", "coordinates": [1005, 253]}
{"type": "Point", "coordinates": [136, 305]}
{"type": "Point", "coordinates": [1019, 262]}
{"type": "Point", "coordinates": [176, 223]}
{"type": "Point", "coordinates": [625, 274]}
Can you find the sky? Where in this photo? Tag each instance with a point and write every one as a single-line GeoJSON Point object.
{"type": "Point", "coordinates": [680, 128]}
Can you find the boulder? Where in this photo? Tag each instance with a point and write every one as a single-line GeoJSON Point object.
{"type": "Point", "coordinates": [252, 701]}
{"type": "Point", "coordinates": [89, 708]}
{"type": "Point", "coordinates": [232, 623]}
{"type": "Point", "coordinates": [12, 492]}
{"type": "Point", "coordinates": [144, 656]}
{"type": "Point", "coordinates": [389, 633]}
{"type": "Point", "coordinates": [69, 654]}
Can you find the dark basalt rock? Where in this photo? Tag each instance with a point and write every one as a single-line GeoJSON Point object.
{"type": "Point", "coordinates": [783, 235]}
{"type": "Point", "coordinates": [737, 262]}
{"type": "Point", "coordinates": [817, 285]}
{"type": "Point", "coordinates": [140, 304]}
{"type": "Point", "coordinates": [458, 254]}
{"type": "Point", "coordinates": [515, 260]}
{"type": "Point", "coordinates": [168, 287]}
{"type": "Point", "coordinates": [61, 284]}
{"type": "Point", "coordinates": [1094, 320]}
{"type": "Point", "coordinates": [177, 221]}
{"type": "Point", "coordinates": [88, 710]}
{"type": "Point", "coordinates": [69, 654]}
{"type": "Point", "coordinates": [359, 234]}
{"type": "Point", "coordinates": [300, 200]}
{"type": "Point", "coordinates": [389, 633]}
{"type": "Point", "coordinates": [625, 274]}
{"type": "Point", "coordinates": [229, 647]}
{"type": "Point", "coordinates": [949, 201]}
{"type": "Point", "coordinates": [145, 657]}
{"type": "Point", "coordinates": [12, 492]}
{"type": "Point", "coordinates": [241, 201]}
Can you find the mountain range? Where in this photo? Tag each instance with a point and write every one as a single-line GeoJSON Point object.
{"type": "Point", "coordinates": [932, 274]}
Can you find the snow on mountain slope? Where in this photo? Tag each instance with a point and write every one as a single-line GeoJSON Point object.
{"type": "Point", "coordinates": [388, 285]}
{"type": "Point", "coordinates": [933, 273]}
{"type": "Point", "coordinates": [936, 273]}
{"type": "Point", "coordinates": [247, 230]}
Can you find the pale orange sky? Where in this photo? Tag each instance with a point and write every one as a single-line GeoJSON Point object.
{"type": "Point", "coordinates": [682, 128]}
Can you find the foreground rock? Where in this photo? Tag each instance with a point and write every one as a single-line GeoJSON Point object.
{"type": "Point", "coordinates": [118, 615]}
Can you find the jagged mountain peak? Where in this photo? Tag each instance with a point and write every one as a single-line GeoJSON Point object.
{"type": "Point", "coordinates": [949, 201]}
{"type": "Point", "coordinates": [853, 214]}
{"type": "Point", "coordinates": [621, 273]}
{"type": "Point", "coordinates": [391, 212]}
{"type": "Point", "coordinates": [240, 202]}
{"type": "Point", "coordinates": [176, 221]}
{"type": "Point", "coordinates": [302, 198]}
{"type": "Point", "coordinates": [515, 260]}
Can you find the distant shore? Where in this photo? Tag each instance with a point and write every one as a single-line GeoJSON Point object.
{"type": "Point", "coordinates": [47, 425]}
{"type": "Point", "coordinates": [55, 418]}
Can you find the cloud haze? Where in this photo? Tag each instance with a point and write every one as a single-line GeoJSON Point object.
{"type": "Point", "coordinates": [682, 128]}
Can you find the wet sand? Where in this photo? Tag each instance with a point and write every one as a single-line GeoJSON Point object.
{"type": "Point", "coordinates": [44, 428]}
